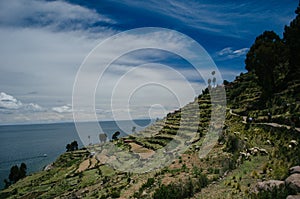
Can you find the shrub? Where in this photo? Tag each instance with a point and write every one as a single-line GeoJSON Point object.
{"type": "Point", "coordinates": [115, 194]}
{"type": "Point", "coordinates": [217, 171]}
{"type": "Point", "coordinates": [149, 183]}
{"type": "Point", "coordinates": [232, 144]}
{"type": "Point", "coordinates": [180, 159]}
{"type": "Point", "coordinates": [182, 190]}
{"type": "Point", "coordinates": [197, 171]}
{"type": "Point", "coordinates": [210, 170]}
{"type": "Point", "coordinates": [202, 180]}
{"type": "Point", "coordinates": [174, 191]}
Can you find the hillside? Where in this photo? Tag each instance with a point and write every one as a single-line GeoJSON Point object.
{"type": "Point", "coordinates": [224, 173]}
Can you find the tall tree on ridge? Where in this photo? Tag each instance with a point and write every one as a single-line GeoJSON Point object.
{"type": "Point", "coordinates": [291, 37]}
{"type": "Point", "coordinates": [264, 56]}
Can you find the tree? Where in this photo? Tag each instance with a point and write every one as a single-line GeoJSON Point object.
{"type": "Point", "coordinates": [102, 137]}
{"type": "Point", "coordinates": [68, 147]}
{"type": "Point", "coordinates": [16, 174]}
{"type": "Point", "coordinates": [22, 171]}
{"type": "Point", "coordinates": [115, 135]}
{"type": "Point", "coordinates": [225, 82]}
{"type": "Point", "coordinates": [74, 145]}
{"type": "Point", "coordinates": [263, 58]}
{"type": "Point", "coordinates": [133, 129]}
{"type": "Point", "coordinates": [214, 81]}
{"type": "Point", "coordinates": [209, 82]}
{"type": "Point", "coordinates": [292, 39]}
{"type": "Point", "coordinates": [7, 183]}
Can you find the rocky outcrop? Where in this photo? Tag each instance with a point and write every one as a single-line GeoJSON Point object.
{"type": "Point", "coordinates": [269, 185]}
{"type": "Point", "coordinates": [290, 185]}
{"type": "Point", "coordinates": [295, 169]}
{"type": "Point", "coordinates": [293, 197]}
{"type": "Point", "coordinates": [48, 167]}
{"type": "Point", "coordinates": [293, 182]}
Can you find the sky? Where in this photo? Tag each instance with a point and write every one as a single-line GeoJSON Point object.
{"type": "Point", "coordinates": [44, 44]}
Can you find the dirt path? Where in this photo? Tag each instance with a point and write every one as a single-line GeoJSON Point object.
{"type": "Point", "coordinates": [264, 123]}
{"type": "Point", "coordinates": [244, 117]}
{"type": "Point", "coordinates": [278, 125]}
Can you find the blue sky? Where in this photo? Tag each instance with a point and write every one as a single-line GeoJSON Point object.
{"type": "Point", "coordinates": [43, 44]}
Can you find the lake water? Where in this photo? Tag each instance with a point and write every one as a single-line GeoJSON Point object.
{"type": "Point", "coordinates": [29, 143]}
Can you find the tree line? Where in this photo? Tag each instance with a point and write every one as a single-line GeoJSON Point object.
{"type": "Point", "coordinates": [274, 60]}
{"type": "Point", "coordinates": [72, 147]}
{"type": "Point", "coordinates": [16, 173]}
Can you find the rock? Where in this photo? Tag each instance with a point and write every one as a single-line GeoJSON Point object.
{"type": "Point", "coordinates": [49, 167]}
{"type": "Point", "coordinates": [254, 152]}
{"type": "Point", "coordinates": [295, 169]}
{"type": "Point", "coordinates": [84, 191]}
{"type": "Point", "coordinates": [268, 185]}
{"type": "Point", "coordinates": [294, 142]}
{"type": "Point", "coordinates": [293, 182]}
{"type": "Point", "coordinates": [269, 142]}
{"type": "Point", "coordinates": [293, 197]}
{"type": "Point", "coordinates": [263, 152]}
{"type": "Point", "coordinates": [248, 155]}
{"type": "Point", "coordinates": [236, 133]}
{"type": "Point", "coordinates": [144, 193]}
{"type": "Point", "coordinates": [243, 154]}
{"type": "Point", "coordinates": [225, 174]}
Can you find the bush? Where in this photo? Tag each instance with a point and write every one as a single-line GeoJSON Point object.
{"type": "Point", "coordinates": [171, 191]}
{"type": "Point", "coordinates": [181, 190]}
{"type": "Point", "coordinates": [180, 159]}
{"type": "Point", "coordinates": [115, 194]}
{"type": "Point", "coordinates": [210, 170]}
{"type": "Point", "coordinates": [232, 144]}
{"type": "Point", "coordinates": [149, 183]}
{"type": "Point", "coordinates": [202, 180]}
{"type": "Point", "coordinates": [216, 171]}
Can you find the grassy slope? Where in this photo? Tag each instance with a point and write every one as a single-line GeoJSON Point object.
{"type": "Point", "coordinates": [227, 176]}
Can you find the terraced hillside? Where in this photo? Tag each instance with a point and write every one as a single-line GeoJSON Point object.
{"type": "Point", "coordinates": [244, 154]}
{"type": "Point", "coordinates": [244, 96]}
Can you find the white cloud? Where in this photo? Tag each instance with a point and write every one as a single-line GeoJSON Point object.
{"type": "Point", "coordinates": [42, 45]}
{"type": "Point", "coordinates": [63, 109]}
{"type": "Point", "coordinates": [10, 103]}
{"type": "Point", "coordinates": [52, 14]}
{"type": "Point", "coordinates": [13, 111]}
{"type": "Point", "coordinates": [45, 60]}
{"type": "Point", "coordinates": [49, 65]}
{"type": "Point", "coordinates": [229, 53]}
{"type": "Point", "coordinates": [33, 107]}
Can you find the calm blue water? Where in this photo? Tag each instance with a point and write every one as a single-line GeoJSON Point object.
{"type": "Point", "coordinates": [29, 143]}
